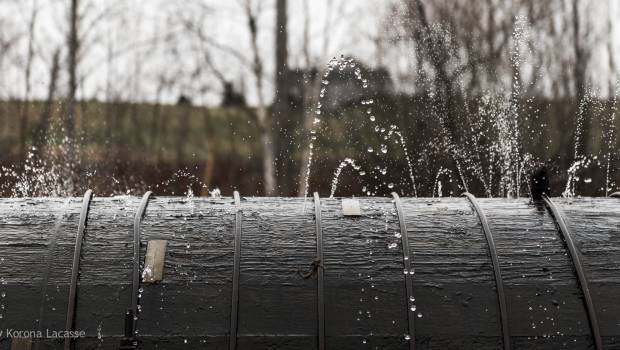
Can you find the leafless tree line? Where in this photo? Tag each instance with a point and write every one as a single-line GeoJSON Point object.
{"type": "Point", "coordinates": [457, 48]}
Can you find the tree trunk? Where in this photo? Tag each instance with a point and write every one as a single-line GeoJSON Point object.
{"type": "Point", "coordinates": [269, 152]}
{"type": "Point", "coordinates": [310, 88]}
{"type": "Point", "coordinates": [262, 115]}
{"type": "Point", "coordinates": [183, 133]}
{"type": "Point", "coordinates": [40, 136]}
{"type": "Point", "coordinates": [23, 125]}
{"type": "Point", "coordinates": [72, 62]}
{"type": "Point", "coordinates": [613, 76]}
{"type": "Point", "coordinates": [579, 76]}
{"type": "Point", "coordinates": [282, 111]}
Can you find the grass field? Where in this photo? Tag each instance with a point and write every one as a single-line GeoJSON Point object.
{"type": "Point", "coordinates": [144, 145]}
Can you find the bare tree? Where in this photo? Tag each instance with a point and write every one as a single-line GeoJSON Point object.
{"type": "Point", "coordinates": [262, 115]}
{"type": "Point", "coordinates": [40, 136]}
{"type": "Point", "coordinates": [611, 29]}
{"type": "Point", "coordinates": [23, 125]}
{"type": "Point", "coordinates": [282, 111]}
{"type": "Point", "coordinates": [579, 75]}
{"type": "Point", "coordinates": [9, 39]}
{"type": "Point", "coordinates": [73, 47]}
{"type": "Point", "coordinates": [312, 77]}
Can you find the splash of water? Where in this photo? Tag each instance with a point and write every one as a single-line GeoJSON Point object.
{"type": "Point", "coordinates": [609, 139]}
{"type": "Point", "coordinates": [346, 162]}
{"type": "Point", "coordinates": [573, 178]}
{"type": "Point", "coordinates": [437, 186]}
{"type": "Point", "coordinates": [348, 63]}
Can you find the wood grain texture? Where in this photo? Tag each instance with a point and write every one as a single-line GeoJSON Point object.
{"type": "Point", "coordinates": [365, 298]}
{"type": "Point", "coordinates": [153, 270]}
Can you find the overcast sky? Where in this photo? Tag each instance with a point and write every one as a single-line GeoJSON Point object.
{"type": "Point", "coordinates": [131, 27]}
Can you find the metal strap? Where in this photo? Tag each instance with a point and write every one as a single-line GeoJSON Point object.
{"type": "Point", "coordinates": [234, 310]}
{"type": "Point", "coordinates": [499, 282]}
{"type": "Point", "coordinates": [49, 262]}
{"type": "Point", "coordinates": [615, 195]}
{"type": "Point", "coordinates": [70, 324]}
{"type": "Point", "coordinates": [407, 266]}
{"type": "Point", "coordinates": [136, 257]}
{"type": "Point", "coordinates": [581, 275]}
{"type": "Point", "coordinates": [320, 290]}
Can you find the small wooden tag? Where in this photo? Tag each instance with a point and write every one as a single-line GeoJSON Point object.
{"type": "Point", "coordinates": [351, 207]}
{"type": "Point", "coordinates": [154, 261]}
{"type": "Point", "coordinates": [21, 344]}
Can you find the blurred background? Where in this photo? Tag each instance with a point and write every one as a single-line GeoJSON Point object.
{"type": "Point", "coordinates": [426, 98]}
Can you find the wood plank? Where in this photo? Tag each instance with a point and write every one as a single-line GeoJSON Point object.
{"type": "Point", "coordinates": [153, 271]}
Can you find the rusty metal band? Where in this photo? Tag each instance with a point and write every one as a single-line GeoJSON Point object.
{"type": "Point", "coordinates": [407, 267]}
{"type": "Point", "coordinates": [234, 311]}
{"type": "Point", "coordinates": [136, 256]}
{"type": "Point", "coordinates": [70, 323]}
{"type": "Point", "coordinates": [581, 275]}
{"type": "Point", "coordinates": [320, 289]}
{"type": "Point", "coordinates": [499, 282]}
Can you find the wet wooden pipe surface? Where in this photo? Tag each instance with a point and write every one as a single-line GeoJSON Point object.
{"type": "Point", "coordinates": [365, 299]}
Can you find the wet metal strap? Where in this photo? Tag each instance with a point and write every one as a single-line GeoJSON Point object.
{"type": "Point", "coordinates": [136, 256]}
{"type": "Point", "coordinates": [581, 275]}
{"type": "Point", "coordinates": [501, 296]}
{"type": "Point", "coordinates": [615, 195]}
{"type": "Point", "coordinates": [70, 324]}
{"type": "Point", "coordinates": [407, 266]}
{"type": "Point", "coordinates": [234, 311]}
{"type": "Point", "coordinates": [49, 262]}
{"type": "Point", "coordinates": [320, 296]}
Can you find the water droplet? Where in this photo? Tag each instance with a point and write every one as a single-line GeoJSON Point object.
{"type": "Point", "coordinates": [370, 149]}
{"type": "Point", "coordinates": [407, 337]}
{"type": "Point", "coordinates": [384, 149]}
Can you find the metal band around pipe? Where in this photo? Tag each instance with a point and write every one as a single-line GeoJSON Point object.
{"type": "Point", "coordinates": [234, 311]}
{"type": "Point", "coordinates": [615, 195]}
{"type": "Point", "coordinates": [70, 324]}
{"type": "Point", "coordinates": [136, 256]}
{"type": "Point", "coordinates": [407, 266]}
{"type": "Point", "coordinates": [499, 282]}
{"type": "Point", "coordinates": [581, 275]}
{"type": "Point", "coordinates": [320, 289]}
